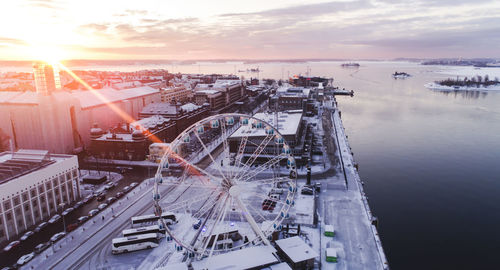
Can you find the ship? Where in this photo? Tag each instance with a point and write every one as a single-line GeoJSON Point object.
{"type": "Point", "coordinates": [400, 75]}
{"type": "Point", "coordinates": [350, 65]}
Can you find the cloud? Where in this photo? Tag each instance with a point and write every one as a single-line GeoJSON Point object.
{"type": "Point", "coordinates": [5, 41]}
{"type": "Point", "coordinates": [95, 27]}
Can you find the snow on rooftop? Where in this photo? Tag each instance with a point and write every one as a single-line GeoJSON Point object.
{"type": "Point", "coordinates": [90, 99]}
{"type": "Point", "coordinates": [288, 124]}
{"type": "Point", "coordinates": [87, 98]}
{"type": "Point", "coordinates": [189, 107]}
{"type": "Point", "coordinates": [210, 92]}
{"type": "Point", "coordinates": [280, 266]}
{"type": "Point", "coordinates": [296, 249]}
{"type": "Point", "coordinates": [246, 258]}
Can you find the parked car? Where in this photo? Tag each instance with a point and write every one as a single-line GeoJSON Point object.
{"type": "Point", "coordinates": [93, 212]}
{"type": "Point", "coordinates": [82, 219]}
{"type": "Point", "coordinates": [119, 194]}
{"type": "Point", "coordinates": [78, 205]}
{"type": "Point", "coordinates": [54, 219]}
{"type": "Point", "coordinates": [40, 227]}
{"type": "Point", "coordinates": [109, 185]}
{"type": "Point", "coordinates": [101, 197]}
{"type": "Point", "coordinates": [88, 198]}
{"type": "Point", "coordinates": [67, 211]}
{"type": "Point", "coordinates": [72, 227]}
{"type": "Point", "coordinates": [110, 200]}
{"type": "Point", "coordinates": [126, 189]}
{"type": "Point", "coordinates": [11, 245]}
{"type": "Point", "coordinates": [41, 247]}
{"type": "Point", "coordinates": [102, 206]}
{"type": "Point", "coordinates": [134, 184]}
{"type": "Point", "coordinates": [57, 236]}
{"type": "Point", "coordinates": [26, 235]}
{"type": "Point", "coordinates": [25, 258]}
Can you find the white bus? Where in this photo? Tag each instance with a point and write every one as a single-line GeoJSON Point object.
{"type": "Point", "coordinates": [144, 230]}
{"type": "Point", "coordinates": [168, 217]}
{"type": "Point", "coordinates": [133, 243]}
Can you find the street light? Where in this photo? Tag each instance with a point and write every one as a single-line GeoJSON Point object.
{"type": "Point", "coordinates": [62, 205]}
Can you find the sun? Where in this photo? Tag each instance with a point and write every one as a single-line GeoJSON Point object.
{"type": "Point", "coordinates": [50, 54]}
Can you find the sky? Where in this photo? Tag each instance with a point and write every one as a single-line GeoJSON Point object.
{"type": "Point", "coordinates": [257, 29]}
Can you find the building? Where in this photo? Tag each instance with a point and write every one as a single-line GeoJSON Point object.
{"type": "Point", "coordinates": [59, 122]}
{"type": "Point", "coordinates": [231, 89]}
{"type": "Point", "coordinates": [214, 98]}
{"type": "Point", "coordinates": [33, 186]}
{"type": "Point", "coordinates": [177, 93]}
{"type": "Point", "coordinates": [291, 98]}
{"type": "Point", "coordinates": [47, 78]}
{"type": "Point", "coordinates": [132, 141]}
{"type": "Point", "coordinates": [296, 252]}
{"type": "Point", "coordinates": [182, 115]}
{"type": "Point", "coordinates": [290, 126]}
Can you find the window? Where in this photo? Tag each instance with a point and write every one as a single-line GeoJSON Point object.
{"type": "Point", "coordinates": [6, 205]}
{"type": "Point", "coordinates": [43, 197]}
{"type": "Point", "coordinates": [33, 192]}
{"type": "Point", "coordinates": [20, 223]}
{"type": "Point", "coordinates": [18, 211]}
{"type": "Point", "coordinates": [68, 175]}
{"type": "Point", "coordinates": [34, 202]}
{"type": "Point", "coordinates": [75, 173]}
{"type": "Point", "coordinates": [25, 196]}
{"type": "Point", "coordinates": [47, 186]}
{"type": "Point", "coordinates": [41, 189]}
{"type": "Point", "coordinates": [54, 182]}
{"type": "Point", "coordinates": [26, 207]}
{"type": "Point", "coordinates": [16, 200]}
{"type": "Point", "coordinates": [9, 216]}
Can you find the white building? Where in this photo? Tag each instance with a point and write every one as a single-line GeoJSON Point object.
{"type": "Point", "coordinates": [33, 186]}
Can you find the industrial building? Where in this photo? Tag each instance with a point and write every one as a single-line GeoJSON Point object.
{"type": "Point", "coordinates": [34, 185]}
{"type": "Point", "coordinates": [59, 121]}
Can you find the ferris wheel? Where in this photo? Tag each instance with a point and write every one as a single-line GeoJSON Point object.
{"type": "Point", "coordinates": [230, 182]}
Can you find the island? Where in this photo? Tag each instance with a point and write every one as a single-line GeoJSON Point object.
{"type": "Point", "coordinates": [477, 83]}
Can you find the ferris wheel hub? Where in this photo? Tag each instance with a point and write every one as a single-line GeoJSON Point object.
{"type": "Point", "coordinates": [235, 191]}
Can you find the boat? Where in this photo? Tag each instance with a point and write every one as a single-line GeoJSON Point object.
{"type": "Point", "coordinates": [351, 64]}
{"type": "Point", "coordinates": [253, 70]}
{"type": "Point", "coordinates": [400, 75]}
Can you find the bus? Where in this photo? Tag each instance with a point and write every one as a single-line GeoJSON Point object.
{"type": "Point", "coordinates": [133, 243]}
{"type": "Point", "coordinates": [144, 230]}
{"type": "Point", "coordinates": [168, 217]}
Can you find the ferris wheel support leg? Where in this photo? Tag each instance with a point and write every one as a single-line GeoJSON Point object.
{"type": "Point", "coordinates": [251, 221]}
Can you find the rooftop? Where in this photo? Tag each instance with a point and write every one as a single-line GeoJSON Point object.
{"type": "Point", "coordinates": [165, 108]}
{"type": "Point", "coordinates": [288, 124]}
{"type": "Point", "coordinates": [247, 258]}
{"type": "Point", "coordinates": [24, 161]}
{"type": "Point", "coordinates": [87, 98]}
{"type": "Point", "coordinates": [296, 249]}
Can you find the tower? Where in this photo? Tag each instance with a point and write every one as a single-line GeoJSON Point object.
{"type": "Point", "coordinates": [46, 78]}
